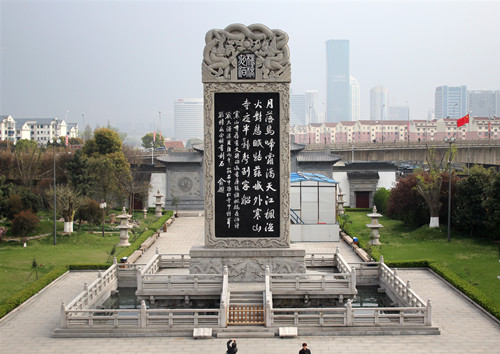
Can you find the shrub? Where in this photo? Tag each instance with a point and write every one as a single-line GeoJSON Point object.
{"type": "Point", "coordinates": [14, 206]}
{"type": "Point", "coordinates": [31, 201]}
{"type": "Point", "coordinates": [3, 232]}
{"type": "Point", "coordinates": [24, 223]}
{"type": "Point", "coordinates": [90, 212]}
{"type": "Point", "coordinates": [380, 199]}
{"type": "Point", "coordinates": [406, 204]}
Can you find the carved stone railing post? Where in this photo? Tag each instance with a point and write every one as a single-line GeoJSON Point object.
{"type": "Point", "coordinates": [428, 316]}
{"type": "Point", "coordinates": [143, 315]}
{"type": "Point", "coordinates": [349, 314]}
{"type": "Point", "coordinates": [353, 278]}
{"type": "Point", "coordinates": [63, 323]}
{"type": "Point", "coordinates": [139, 278]}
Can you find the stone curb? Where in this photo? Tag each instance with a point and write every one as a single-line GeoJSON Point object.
{"type": "Point", "coordinates": [475, 304]}
{"type": "Point", "coordinates": [34, 297]}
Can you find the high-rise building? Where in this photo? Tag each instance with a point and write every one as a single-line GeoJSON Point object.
{"type": "Point", "coordinates": [497, 103]}
{"type": "Point", "coordinates": [338, 97]}
{"type": "Point", "coordinates": [450, 101]}
{"type": "Point", "coordinates": [188, 118]}
{"type": "Point", "coordinates": [379, 103]}
{"type": "Point", "coordinates": [312, 106]}
{"type": "Point", "coordinates": [483, 103]}
{"type": "Point", "coordinates": [355, 100]}
{"type": "Point", "coordinates": [398, 113]}
{"type": "Point", "coordinates": [297, 109]}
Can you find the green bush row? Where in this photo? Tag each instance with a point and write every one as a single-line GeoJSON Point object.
{"type": "Point", "coordinates": [89, 266]}
{"type": "Point", "coordinates": [148, 233]}
{"type": "Point", "coordinates": [422, 263]}
{"type": "Point", "coordinates": [357, 209]}
{"type": "Point", "coordinates": [18, 298]}
{"type": "Point", "coordinates": [468, 289]}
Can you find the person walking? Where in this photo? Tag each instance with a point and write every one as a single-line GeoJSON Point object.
{"type": "Point", "coordinates": [304, 349]}
{"type": "Point", "coordinates": [231, 346]}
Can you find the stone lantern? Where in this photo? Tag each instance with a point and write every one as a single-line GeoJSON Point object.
{"type": "Point", "coordinates": [158, 203]}
{"type": "Point", "coordinates": [124, 227]}
{"type": "Point", "coordinates": [340, 202]}
{"type": "Point", "coordinates": [374, 226]}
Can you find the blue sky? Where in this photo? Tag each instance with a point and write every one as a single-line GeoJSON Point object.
{"type": "Point", "coordinates": [123, 61]}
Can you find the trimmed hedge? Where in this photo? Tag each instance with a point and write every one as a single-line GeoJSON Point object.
{"type": "Point", "coordinates": [18, 298]}
{"type": "Point", "coordinates": [89, 266]}
{"type": "Point", "coordinates": [358, 209]}
{"type": "Point", "coordinates": [148, 233]}
{"type": "Point", "coordinates": [463, 286]}
{"type": "Point", "coordinates": [422, 263]}
{"type": "Point", "coordinates": [469, 290]}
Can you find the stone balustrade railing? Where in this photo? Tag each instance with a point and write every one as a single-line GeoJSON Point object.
{"type": "Point", "coordinates": [336, 283]}
{"type": "Point", "coordinates": [141, 318]}
{"type": "Point", "coordinates": [175, 261]}
{"type": "Point", "coordinates": [401, 289]}
{"type": "Point", "coordinates": [105, 282]}
{"type": "Point", "coordinates": [168, 284]}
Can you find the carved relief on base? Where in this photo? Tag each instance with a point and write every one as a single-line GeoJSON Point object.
{"type": "Point", "coordinates": [247, 269]}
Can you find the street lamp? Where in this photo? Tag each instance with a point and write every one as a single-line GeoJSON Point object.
{"type": "Point", "coordinates": [449, 141]}
{"type": "Point", "coordinates": [152, 152]}
{"type": "Point", "coordinates": [53, 142]}
{"type": "Point", "coordinates": [103, 207]}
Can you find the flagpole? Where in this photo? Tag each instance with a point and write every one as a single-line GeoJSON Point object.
{"type": "Point", "coordinates": [468, 146]}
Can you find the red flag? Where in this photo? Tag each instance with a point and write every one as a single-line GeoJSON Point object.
{"type": "Point", "coordinates": [462, 121]}
{"type": "Point", "coordinates": [154, 136]}
{"type": "Point", "coordinates": [67, 139]}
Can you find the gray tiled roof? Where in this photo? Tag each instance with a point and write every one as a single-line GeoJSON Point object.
{"type": "Point", "coordinates": [366, 166]}
{"type": "Point", "coordinates": [294, 146]}
{"type": "Point", "coordinates": [44, 121]}
{"type": "Point", "coordinates": [317, 157]}
{"type": "Point", "coordinates": [183, 157]}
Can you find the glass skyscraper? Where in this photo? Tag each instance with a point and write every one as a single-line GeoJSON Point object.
{"type": "Point", "coordinates": [451, 101]}
{"type": "Point", "coordinates": [188, 118]}
{"type": "Point", "coordinates": [338, 95]}
{"type": "Point", "coordinates": [297, 109]}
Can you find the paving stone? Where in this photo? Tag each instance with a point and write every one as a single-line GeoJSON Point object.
{"type": "Point", "coordinates": [464, 328]}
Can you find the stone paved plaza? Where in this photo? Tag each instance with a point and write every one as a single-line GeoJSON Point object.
{"type": "Point", "coordinates": [464, 328]}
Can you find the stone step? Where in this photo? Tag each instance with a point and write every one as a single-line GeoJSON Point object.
{"type": "Point", "coordinates": [246, 298]}
{"type": "Point", "coordinates": [246, 332]}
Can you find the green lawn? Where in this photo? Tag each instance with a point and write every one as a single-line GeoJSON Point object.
{"type": "Point", "coordinates": [474, 260]}
{"type": "Point", "coordinates": [79, 248]}
{"type": "Point", "coordinates": [16, 260]}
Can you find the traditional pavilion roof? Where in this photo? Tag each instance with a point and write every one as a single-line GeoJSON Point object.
{"type": "Point", "coordinates": [181, 157]}
{"type": "Point", "coordinates": [317, 156]}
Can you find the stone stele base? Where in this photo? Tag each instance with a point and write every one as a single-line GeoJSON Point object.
{"type": "Point", "coordinates": [247, 264]}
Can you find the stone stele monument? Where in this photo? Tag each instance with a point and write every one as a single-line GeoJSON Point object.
{"type": "Point", "coordinates": [246, 82]}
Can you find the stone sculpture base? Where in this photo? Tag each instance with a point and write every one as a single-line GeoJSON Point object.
{"type": "Point", "coordinates": [246, 264]}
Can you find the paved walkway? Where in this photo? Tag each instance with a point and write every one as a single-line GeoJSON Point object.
{"type": "Point", "coordinates": [464, 328]}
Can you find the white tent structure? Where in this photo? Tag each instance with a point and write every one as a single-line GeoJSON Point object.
{"type": "Point", "coordinates": [313, 213]}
